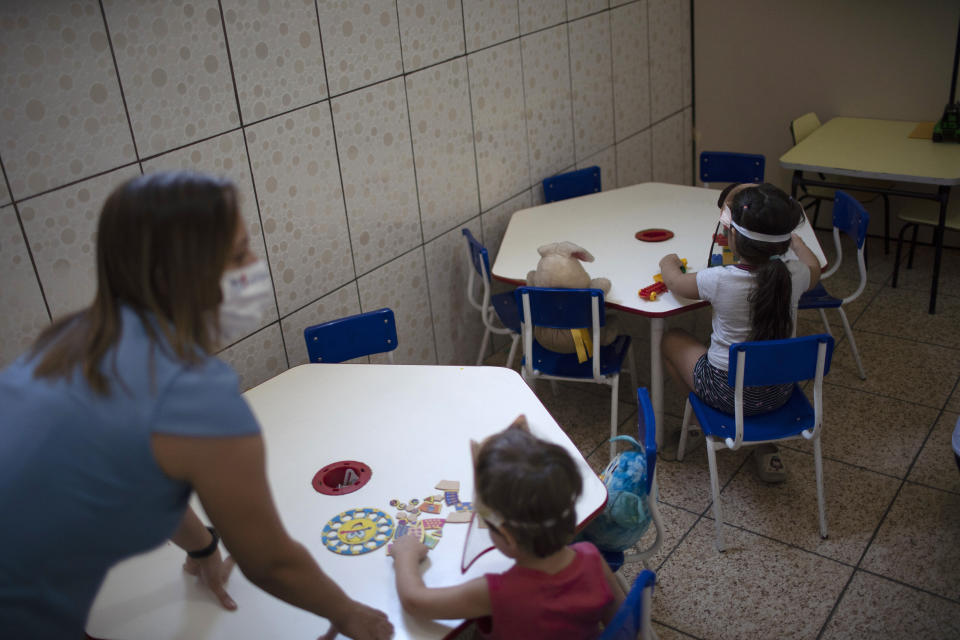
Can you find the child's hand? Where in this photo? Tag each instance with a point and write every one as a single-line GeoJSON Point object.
{"type": "Point", "coordinates": [408, 547]}
{"type": "Point", "coordinates": [795, 242]}
{"type": "Point", "coordinates": [670, 260]}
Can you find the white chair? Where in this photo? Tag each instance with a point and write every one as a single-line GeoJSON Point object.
{"type": "Point", "coordinates": [502, 306]}
{"type": "Point", "coordinates": [572, 309]}
{"type": "Point", "coordinates": [851, 218]}
{"type": "Point", "coordinates": [757, 364]}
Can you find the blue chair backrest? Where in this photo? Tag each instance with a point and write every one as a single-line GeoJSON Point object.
{"type": "Point", "coordinates": [771, 362]}
{"type": "Point", "coordinates": [725, 166]}
{"type": "Point", "coordinates": [478, 254]}
{"type": "Point", "coordinates": [628, 622]}
{"type": "Point", "coordinates": [628, 479]}
{"type": "Point", "coordinates": [850, 217]}
{"type": "Point", "coordinates": [571, 184]}
{"type": "Point", "coordinates": [352, 337]}
{"type": "Point", "coordinates": [560, 308]}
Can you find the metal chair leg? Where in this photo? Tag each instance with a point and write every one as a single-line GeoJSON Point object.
{"type": "Point", "coordinates": [715, 490]}
{"type": "Point", "coordinates": [886, 223]}
{"type": "Point", "coordinates": [913, 246]}
{"type": "Point", "coordinates": [682, 446]}
{"type": "Point", "coordinates": [853, 343]}
{"type": "Point", "coordinates": [513, 349]}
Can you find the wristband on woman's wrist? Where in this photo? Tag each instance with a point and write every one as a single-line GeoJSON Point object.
{"type": "Point", "coordinates": [208, 550]}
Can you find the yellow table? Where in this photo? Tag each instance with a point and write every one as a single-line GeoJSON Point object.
{"type": "Point", "coordinates": [881, 150]}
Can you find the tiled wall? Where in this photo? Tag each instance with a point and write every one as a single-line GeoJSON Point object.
{"type": "Point", "coordinates": [362, 135]}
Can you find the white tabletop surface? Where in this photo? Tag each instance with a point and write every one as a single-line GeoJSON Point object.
{"type": "Point", "coordinates": [880, 149]}
{"type": "Point", "coordinates": [605, 224]}
{"type": "Point", "coordinates": [412, 425]}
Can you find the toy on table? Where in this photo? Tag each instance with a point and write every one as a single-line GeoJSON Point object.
{"type": "Point", "coordinates": [357, 531]}
{"type": "Point", "coordinates": [652, 291]}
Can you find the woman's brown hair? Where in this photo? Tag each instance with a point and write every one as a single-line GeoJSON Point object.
{"type": "Point", "coordinates": [533, 484]}
{"type": "Point", "coordinates": [767, 209]}
{"type": "Point", "coordinates": [163, 241]}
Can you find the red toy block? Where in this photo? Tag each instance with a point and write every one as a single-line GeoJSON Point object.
{"type": "Point", "coordinates": [651, 292]}
{"type": "Point", "coordinates": [720, 239]}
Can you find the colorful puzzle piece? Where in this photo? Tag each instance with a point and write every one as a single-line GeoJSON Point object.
{"type": "Point", "coordinates": [430, 507]}
{"type": "Point", "coordinates": [451, 498]}
{"type": "Point", "coordinates": [448, 485]}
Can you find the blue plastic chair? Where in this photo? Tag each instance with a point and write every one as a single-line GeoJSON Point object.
{"type": "Point", "coordinates": [503, 306]}
{"type": "Point", "coordinates": [757, 364]}
{"type": "Point", "coordinates": [572, 309]}
{"type": "Point", "coordinates": [352, 337]}
{"type": "Point", "coordinates": [725, 166]}
{"type": "Point", "coordinates": [627, 515]}
{"type": "Point", "coordinates": [851, 218]}
{"type": "Point", "coordinates": [632, 619]}
{"type": "Point", "coordinates": [571, 184]}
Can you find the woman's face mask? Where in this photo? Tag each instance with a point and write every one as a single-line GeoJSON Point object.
{"type": "Point", "coordinates": [247, 293]}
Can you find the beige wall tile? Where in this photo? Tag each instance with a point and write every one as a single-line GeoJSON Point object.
{"type": "Point", "coordinates": [257, 358]}
{"type": "Point", "coordinates": [61, 228]}
{"type": "Point", "coordinates": [301, 204]}
{"type": "Point", "coordinates": [443, 146]}
{"type": "Point", "coordinates": [402, 286]}
{"type": "Point", "coordinates": [276, 53]}
{"type": "Point", "coordinates": [173, 64]}
{"type": "Point", "coordinates": [61, 114]}
{"type": "Point", "coordinates": [376, 162]}
{"type": "Point", "coordinates": [591, 76]}
{"type": "Point", "coordinates": [489, 22]}
{"type": "Point", "coordinates": [341, 303]}
{"type": "Point", "coordinates": [24, 312]}
{"type": "Point", "coordinates": [631, 69]}
{"type": "Point", "coordinates": [430, 32]}
{"type": "Point", "coordinates": [546, 77]}
{"type": "Point", "coordinates": [361, 44]}
{"type": "Point", "coordinates": [496, 94]}
{"type": "Point", "coordinates": [540, 14]}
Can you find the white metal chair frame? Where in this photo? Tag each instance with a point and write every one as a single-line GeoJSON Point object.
{"type": "Point", "coordinates": [862, 266]}
{"type": "Point", "coordinates": [487, 312]}
{"type": "Point", "coordinates": [713, 444]}
{"type": "Point", "coordinates": [529, 374]}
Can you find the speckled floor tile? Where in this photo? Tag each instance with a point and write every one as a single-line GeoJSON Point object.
{"type": "Point", "coordinates": [873, 607]}
{"type": "Point", "coordinates": [676, 524]}
{"type": "Point", "coordinates": [953, 404]}
{"type": "Point", "coordinates": [936, 465]}
{"type": "Point", "coordinates": [666, 633]}
{"type": "Point", "coordinates": [758, 588]}
{"type": "Point", "coordinates": [899, 368]}
{"type": "Point", "coordinates": [901, 312]}
{"type": "Point", "coordinates": [866, 430]}
{"type": "Point", "coordinates": [584, 417]}
{"type": "Point", "coordinates": [687, 484]}
{"type": "Point", "coordinates": [788, 511]}
{"type": "Point", "coordinates": [917, 542]}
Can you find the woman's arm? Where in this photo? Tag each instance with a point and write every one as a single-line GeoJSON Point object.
{"type": "Point", "coordinates": [468, 600]}
{"type": "Point", "coordinates": [229, 476]}
{"type": "Point", "coordinates": [682, 284]}
{"type": "Point", "coordinates": [806, 257]}
{"type": "Point", "coordinates": [192, 535]}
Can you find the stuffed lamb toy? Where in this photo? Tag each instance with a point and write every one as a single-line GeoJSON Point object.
{"type": "Point", "coordinates": [560, 267]}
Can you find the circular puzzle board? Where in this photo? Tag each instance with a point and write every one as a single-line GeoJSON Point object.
{"type": "Point", "coordinates": [357, 531]}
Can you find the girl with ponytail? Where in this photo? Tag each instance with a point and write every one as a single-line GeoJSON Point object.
{"type": "Point", "coordinates": [753, 300]}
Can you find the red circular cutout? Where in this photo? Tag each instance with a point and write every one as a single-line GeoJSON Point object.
{"type": "Point", "coordinates": [341, 478]}
{"type": "Point", "coordinates": [654, 235]}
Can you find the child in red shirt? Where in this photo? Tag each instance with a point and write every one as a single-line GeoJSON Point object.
{"type": "Point", "coordinates": [525, 490]}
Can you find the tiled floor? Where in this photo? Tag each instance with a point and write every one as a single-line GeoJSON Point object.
{"type": "Point", "coordinates": [891, 564]}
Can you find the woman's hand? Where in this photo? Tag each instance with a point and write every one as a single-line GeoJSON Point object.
{"type": "Point", "coordinates": [213, 573]}
{"type": "Point", "coordinates": [409, 547]}
{"type": "Point", "coordinates": [361, 623]}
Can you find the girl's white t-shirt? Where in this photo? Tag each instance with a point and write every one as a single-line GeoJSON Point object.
{"type": "Point", "coordinates": [727, 288]}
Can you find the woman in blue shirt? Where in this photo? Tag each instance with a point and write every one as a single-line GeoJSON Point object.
{"type": "Point", "coordinates": [120, 410]}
